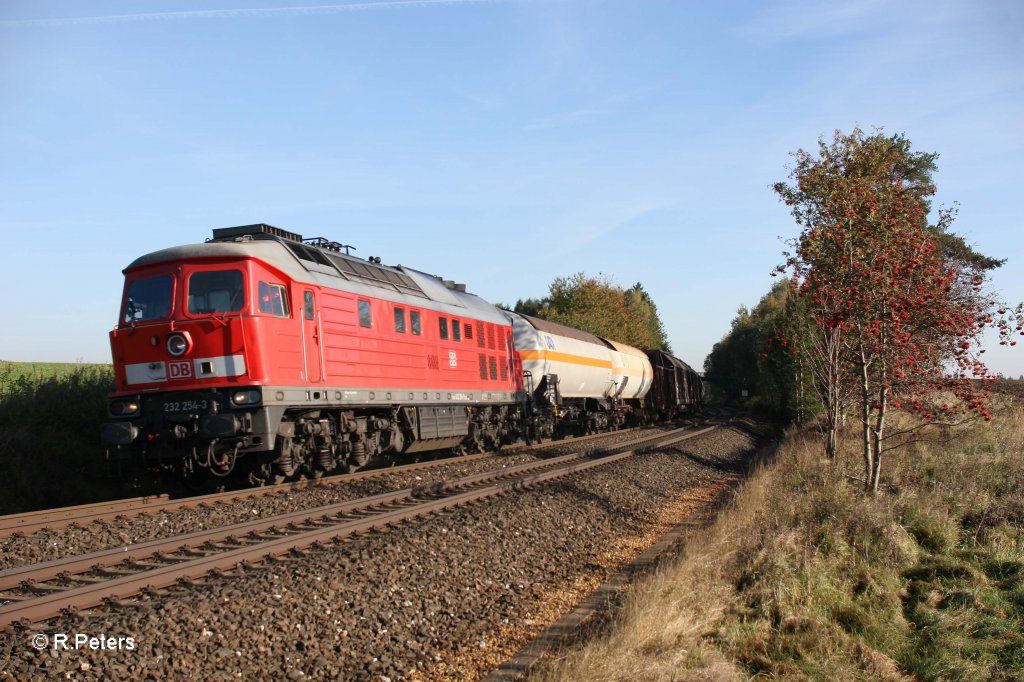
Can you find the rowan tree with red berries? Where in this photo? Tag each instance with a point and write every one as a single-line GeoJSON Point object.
{"type": "Point", "coordinates": [897, 305]}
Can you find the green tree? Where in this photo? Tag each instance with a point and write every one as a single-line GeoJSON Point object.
{"type": "Point", "coordinates": [529, 306]}
{"type": "Point", "coordinates": [757, 356]}
{"type": "Point", "coordinates": [598, 305]}
{"type": "Point", "coordinates": [640, 304]}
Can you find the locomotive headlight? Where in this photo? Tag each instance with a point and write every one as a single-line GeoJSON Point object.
{"type": "Point", "coordinates": [247, 397]}
{"type": "Point", "coordinates": [178, 344]}
{"type": "Point", "coordinates": [124, 408]}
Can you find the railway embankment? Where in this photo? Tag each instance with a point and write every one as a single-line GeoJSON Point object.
{"type": "Point", "coordinates": [804, 576]}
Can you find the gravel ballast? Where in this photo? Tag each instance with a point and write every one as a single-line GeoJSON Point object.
{"type": "Point", "coordinates": [443, 598]}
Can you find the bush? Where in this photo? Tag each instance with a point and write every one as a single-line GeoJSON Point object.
{"type": "Point", "coordinates": [50, 453]}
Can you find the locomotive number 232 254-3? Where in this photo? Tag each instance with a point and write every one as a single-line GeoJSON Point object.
{"type": "Point", "coordinates": [185, 405]}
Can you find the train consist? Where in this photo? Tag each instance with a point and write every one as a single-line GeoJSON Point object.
{"type": "Point", "coordinates": [266, 355]}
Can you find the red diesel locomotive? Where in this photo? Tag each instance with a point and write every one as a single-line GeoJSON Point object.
{"type": "Point", "coordinates": [301, 358]}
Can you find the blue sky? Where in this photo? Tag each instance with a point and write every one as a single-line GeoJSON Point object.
{"type": "Point", "coordinates": [500, 143]}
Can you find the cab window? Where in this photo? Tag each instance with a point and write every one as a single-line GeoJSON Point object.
{"type": "Point", "coordinates": [400, 320]}
{"type": "Point", "coordinates": [273, 299]}
{"type": "Point", "coordinates": [215, 291]}
{"type": "Point", "coordinates": [414, 322]}
{"type": "Point", "coordinates": [148, 299]}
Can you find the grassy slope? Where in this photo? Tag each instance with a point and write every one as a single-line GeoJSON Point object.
{"type": "Point", "coordinates": [806, 578]}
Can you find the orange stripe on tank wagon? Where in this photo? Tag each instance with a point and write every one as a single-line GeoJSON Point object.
{"type": "Point", "coordinates": [555, 356]}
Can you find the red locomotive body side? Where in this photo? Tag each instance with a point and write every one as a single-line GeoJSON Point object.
{"type": "Point", "coordinates": [382, 357]}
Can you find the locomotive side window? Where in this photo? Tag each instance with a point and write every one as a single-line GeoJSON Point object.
{"type": "Point", "coordinates": [365, 319]}
{"type": "Point", "coordinates": [400, 320]}
{"type": "Point", "coordinates": [414, 322]}
{"type": "Point", "coordinates": [274, 301]}
{"type": "Point", "coordinates": [215, 291]}
{"type": "Point", "coordinates": [443, 327]}
{"type": "Point", "coordinates": [309, 305]}
{"type": "Point", "coordinates": [148, 299]}
{"type": "Point", "coordinates": [456, 331]}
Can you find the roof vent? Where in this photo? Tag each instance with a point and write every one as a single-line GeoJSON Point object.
{"type": "Point", "coordinates": [227, 233]}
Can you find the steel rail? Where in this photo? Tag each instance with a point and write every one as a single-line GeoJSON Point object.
{"type": "Point", "coordinates": [152, 577]}
{"type": "Point", "coordinates": [11, 524]}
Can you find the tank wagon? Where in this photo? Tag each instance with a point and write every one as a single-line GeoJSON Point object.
{"type": "Point", "coordinates": [582, 382]}
{"type": "Point", "coordinates": [289, 355]}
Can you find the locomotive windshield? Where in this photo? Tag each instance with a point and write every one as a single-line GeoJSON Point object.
{"type": "Point", "coordinates": [148, 299]}
{"type": "Point", "coordinates": [215, 291]}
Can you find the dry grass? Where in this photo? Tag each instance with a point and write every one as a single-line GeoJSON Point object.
{"type": "Point", "coordinates": [804, 577]}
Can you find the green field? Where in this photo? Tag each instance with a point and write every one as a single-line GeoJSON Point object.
{"type": "Point", "coordinates": [36, 372]}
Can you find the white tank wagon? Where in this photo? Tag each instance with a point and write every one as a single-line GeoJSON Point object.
{"type": "Point", "coordinates": [581, 361]}
{"type": "Point", "coordinates": [579, 382]}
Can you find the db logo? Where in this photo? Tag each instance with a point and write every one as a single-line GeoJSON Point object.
{"type": "Point", "coordinates": [453, 359]}
{"type": "Point", "coordinates": [179, 370]}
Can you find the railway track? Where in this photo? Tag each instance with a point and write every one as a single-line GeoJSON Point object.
{"type": "Point", "coordinates": [82, 515]}
{"type": "Point", "coordinates": [62, 517]}
{"type": "Point", "coordinates": [41, 591]}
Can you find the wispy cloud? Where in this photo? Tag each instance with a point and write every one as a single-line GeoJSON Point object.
{"type": "Point", "coordinates": [609, 104]}
{"type": "Point", "coordinates": [259, 12]}
{"type": "Point", "coordinates": [569, 232]}
{"type": "Point", "coordinates": [565, 118]}
{"type": "Point", "coordinates": [801, 19]}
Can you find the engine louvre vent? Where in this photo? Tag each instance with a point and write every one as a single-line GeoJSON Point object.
{"type": "Point", "coordinates": [250, 230]}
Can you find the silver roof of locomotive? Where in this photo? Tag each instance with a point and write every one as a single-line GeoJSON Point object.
{"type": "Point", "coordinates": [311, 264]}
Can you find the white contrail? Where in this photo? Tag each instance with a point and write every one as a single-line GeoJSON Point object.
{"type": "Point", "coordinates": [231, 13]}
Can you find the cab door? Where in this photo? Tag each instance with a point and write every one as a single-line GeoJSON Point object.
{"type": "Point", "coordinates": [312, 349]}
